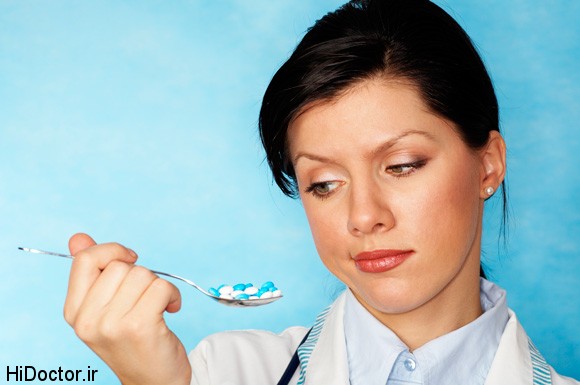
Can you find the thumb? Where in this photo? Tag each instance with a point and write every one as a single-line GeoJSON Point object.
{"type": "Point", "coordinates": [80, 241]}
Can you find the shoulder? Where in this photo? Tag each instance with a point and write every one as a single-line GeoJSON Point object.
{"type": "Point", "coordinates": [252, 341]}
{"type": "Point", "coordinates": [244, 356]}
{"type": "Point", "coordinates": [517, 360]}
{"type": "Point", "coordinates": [562, 380]}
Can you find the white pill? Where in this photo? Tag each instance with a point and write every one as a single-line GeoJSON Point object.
{"type": "Point", "coordinates": [267, 294]}
{"type": "Point", "coordinates": [251, 290]}
{"type": "Point", "coordinates": [226, 296]}
{"type": "Point", "coordinates": [226, 289]}
{"type": "Point", "coordinates": [254, 297]}
{"type": "Point", "coordinates": [276, 293]}
{"type": "Point", "coordinates": [235, 293]}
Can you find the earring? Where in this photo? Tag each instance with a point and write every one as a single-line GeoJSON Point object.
{"type": "Point", "coordinates": [489, 191]}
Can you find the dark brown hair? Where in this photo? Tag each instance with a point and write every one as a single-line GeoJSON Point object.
{"type": "Point", "coordinates": [410, 39]}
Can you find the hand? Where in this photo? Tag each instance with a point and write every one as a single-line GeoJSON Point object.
{"type": "Point", "coordinates": [116, 308]}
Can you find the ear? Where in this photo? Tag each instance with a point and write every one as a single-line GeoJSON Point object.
{"type": "Point", "coordinates": [493, 164]}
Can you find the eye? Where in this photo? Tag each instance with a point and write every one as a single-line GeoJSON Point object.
{"type": "Point", "coordinates": [322, 190]}
{"type": "Point", "coordinates": [406, 169]}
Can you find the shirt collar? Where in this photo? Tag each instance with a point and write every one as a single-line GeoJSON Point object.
{"type": "Point", "coordinates": [464, 355]}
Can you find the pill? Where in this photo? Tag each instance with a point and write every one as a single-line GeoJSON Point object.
{"type": "Point", "coordinates": [225, 289]}
{"type": "Point", "coordinates": [214, 292]}
{"type": "Point", "coordinates": [235, 293]}
{"type": "Point", "coordinates": [239, 287]}
{"type": "Point", "coordinates": [267, 294]}
{"type": "Point", "coordinates": [251, 290]}
{"type": "Point", "coordinates": [267, 285]}
{"type": "Point", "coordinates": [246, 291]}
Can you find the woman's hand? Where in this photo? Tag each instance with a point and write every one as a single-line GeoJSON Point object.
{"type": "Point", "coordinates": [116, 308]}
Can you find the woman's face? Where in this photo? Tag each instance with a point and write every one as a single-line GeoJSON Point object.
{"type": "Point", "coordinates": [392, 195]}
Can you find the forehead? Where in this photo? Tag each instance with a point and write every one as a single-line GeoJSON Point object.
{"type": "Point", "coordinates": [370, 111]}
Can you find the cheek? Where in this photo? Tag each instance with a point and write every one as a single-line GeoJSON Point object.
{"type": "Point", "coordinates": [447, 209]}
{"type": "Point", "coordinates": [326, 225]}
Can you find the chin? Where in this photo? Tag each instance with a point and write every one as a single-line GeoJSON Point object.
{"type": "Point", "coordinates": [394, 305]}
{"type": "Point", "coordinates": [388, 298]}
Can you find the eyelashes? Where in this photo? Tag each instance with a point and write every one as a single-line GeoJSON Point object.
{"type": "Point", "coordinates": [406, 169]}
{"type": "Point", "coordinates": [323, 190]}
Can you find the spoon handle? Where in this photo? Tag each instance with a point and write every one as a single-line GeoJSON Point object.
{"type": "Point", "coordinates": [223, 301]}
{"type": "Point", "coordinates": [36, 251]}
{"type": "Point", "coordinates": [191, 283]}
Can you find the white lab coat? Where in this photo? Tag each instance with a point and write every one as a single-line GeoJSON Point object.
{"type": "Point", "coordinates": [257, 357]}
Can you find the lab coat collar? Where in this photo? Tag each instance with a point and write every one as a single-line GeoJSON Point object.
{"type": "Point", "coordinates": [328, 364]}
{"type": "Point", "coordinates": [512, 363]}
{"type": "Point", "coordinates": [328, 361]}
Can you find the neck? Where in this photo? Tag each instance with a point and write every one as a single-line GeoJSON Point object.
{"type": "Point", "coordinates": [455, 306]}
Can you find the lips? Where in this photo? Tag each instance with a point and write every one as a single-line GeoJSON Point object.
{"type": "Point", "coordinates": [378, 261]}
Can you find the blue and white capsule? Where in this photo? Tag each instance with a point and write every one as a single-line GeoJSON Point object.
{"type": "Point", "coordinates": [246, 291]}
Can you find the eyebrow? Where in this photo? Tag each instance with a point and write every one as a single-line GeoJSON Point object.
{"type": "Point", "coordinates": [381, 148]}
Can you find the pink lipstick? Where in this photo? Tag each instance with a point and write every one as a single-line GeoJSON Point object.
{"type": "Point", "coordinates": [378, 261]}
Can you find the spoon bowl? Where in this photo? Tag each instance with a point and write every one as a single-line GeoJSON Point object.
{"type": "Point", "coordinates": [223, 301]}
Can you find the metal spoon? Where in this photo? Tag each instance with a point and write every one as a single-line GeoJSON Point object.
{"type": "Point", "coordinates": [223, 301]}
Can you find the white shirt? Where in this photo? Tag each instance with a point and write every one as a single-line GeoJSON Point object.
{"type": "Point", "coordinates": [377, 356]}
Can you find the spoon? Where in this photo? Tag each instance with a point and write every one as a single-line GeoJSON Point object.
{"type": "Point", "coordinates": [223, 301]}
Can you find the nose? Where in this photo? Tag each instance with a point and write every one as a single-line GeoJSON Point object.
{"type": "Point", "coordinates": [369, 210]}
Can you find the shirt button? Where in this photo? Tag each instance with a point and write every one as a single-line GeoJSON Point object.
{"type": "Point", "coordinates": [410, 364]}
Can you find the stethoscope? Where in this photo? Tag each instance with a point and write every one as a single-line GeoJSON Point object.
{"type": "Point", "coordinates": [292, 365]}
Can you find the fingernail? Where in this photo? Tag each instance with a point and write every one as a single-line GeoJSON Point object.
{"type": "Point", "coordinates": [132, 253]}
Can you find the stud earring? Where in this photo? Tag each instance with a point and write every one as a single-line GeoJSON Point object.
{"type": "Point", "coordinates": [489, 191]}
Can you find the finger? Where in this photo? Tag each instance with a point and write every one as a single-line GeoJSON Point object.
{"type": "Point", "coordinates": [105, 289]}
{"type": "Point", "coordinates": [80, 241]}
{"type": "Point", "coordinates": [131, 290]}
{"type": "Point", "coordinates": [160, 296]}
{"type": "Point", "coordinates": [86, 268]}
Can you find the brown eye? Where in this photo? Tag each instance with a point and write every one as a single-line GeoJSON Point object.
{"type": "Point", "coordinates": [400, 170]}
{"type": "Point", "coordinates": [397, 169]}
{"type": "Point", "coordinates": [322, 190]}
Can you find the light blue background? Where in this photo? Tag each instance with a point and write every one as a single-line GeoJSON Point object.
{"type": "Point", "coordinates": [136, 122]}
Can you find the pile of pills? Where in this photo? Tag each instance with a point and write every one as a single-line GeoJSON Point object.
{"type": "Point", "coordinates": [246, 291]}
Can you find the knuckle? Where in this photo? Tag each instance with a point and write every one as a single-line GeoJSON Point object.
{"type": "Point", "coordinates": [68, 314]}
{"type": "Point", "coordinates": [161, 285]}
{"type": "Point", "coordinates": [85, 328]}
{"type": "Point", "coordinates": [82, 256]}
{"type": "Point", "coordinates": [110, 329]}
{"type": "Point", "coordinates": [133, 327]}
{"type": "Point", "coordinates": [117, 248]}
{"type": "Point", "coordinates": [117, 266]}
{"type": "Point", "coordinates": [142, 273]}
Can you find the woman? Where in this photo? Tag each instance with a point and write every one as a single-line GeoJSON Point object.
{"type": "Point", "coordinates": [385, 123]}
